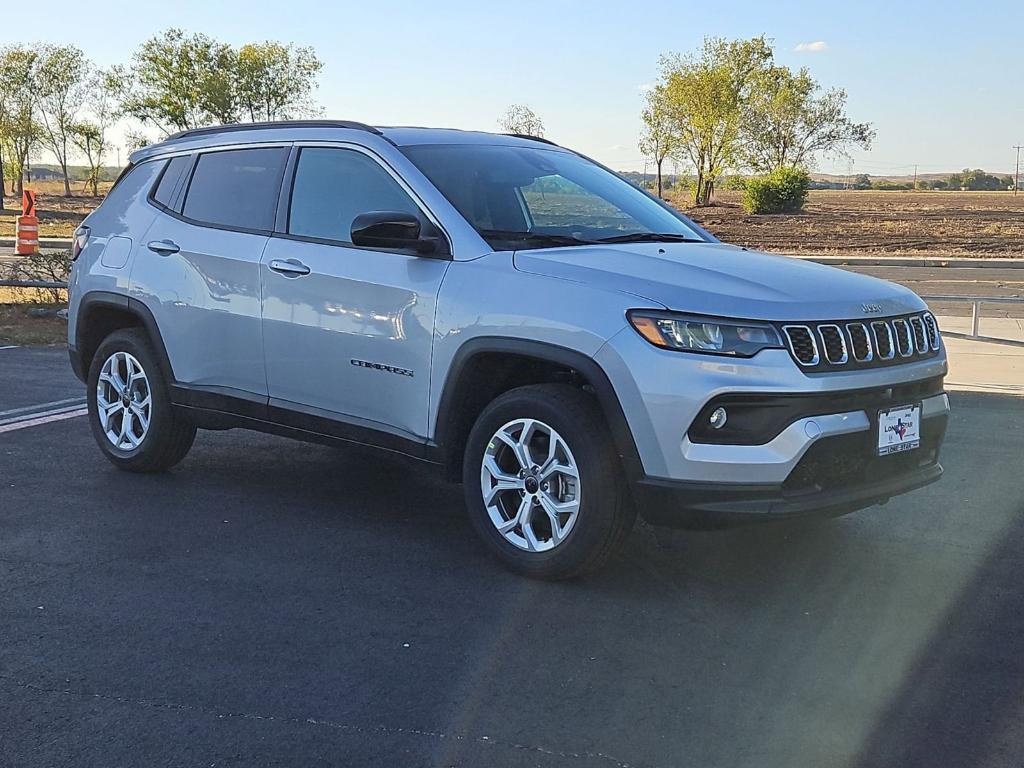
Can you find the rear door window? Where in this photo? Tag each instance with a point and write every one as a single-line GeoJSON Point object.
{"type": "Point", "coordinates": [165, 188]}
{"type": "Point", "coordinates": [237, 188]}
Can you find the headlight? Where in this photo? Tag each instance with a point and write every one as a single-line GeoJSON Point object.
{"type": "Point", "coordinates": [711, 335]}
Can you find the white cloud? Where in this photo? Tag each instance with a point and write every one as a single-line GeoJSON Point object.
{"type": "Point", "coordinates": [816, 47]}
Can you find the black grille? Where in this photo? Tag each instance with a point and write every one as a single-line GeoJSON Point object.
{"type": "Point", "coordinates": [834, 344]}
{"type": "Point", "coordinates": [801, 343]}
{"type": "Point", "coordinates": [904, 343]}
{"type": "Point", "coordinates": [932, 328]}
{"type": "Point", "coordinates": [844, 344]}
{"type": "Point", "coordinates": [920, 336]}
{"type": "Point", "coordinates": [882, 331]}
{"type": "Point", "coordinates": [846, 461]}
{"type": "Point", "coordinates": [859, 342]}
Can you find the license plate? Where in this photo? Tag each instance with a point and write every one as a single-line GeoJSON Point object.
{"type": "Point", "coordinates": [899, 429]}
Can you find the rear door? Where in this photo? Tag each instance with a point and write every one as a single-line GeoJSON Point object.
{"type": "Point", "coordinates": [201, 276]}
{"type": "Point", "coordinates": [348, 331]}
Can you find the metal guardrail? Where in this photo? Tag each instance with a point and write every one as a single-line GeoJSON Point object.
{"type": "Point", "coordinates": [976, 302]}
{"type": "Point", "coordinates": [33, 284]}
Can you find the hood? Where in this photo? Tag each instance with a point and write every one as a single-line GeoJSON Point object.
{"type": "Point", "coordinates": [723, 280]}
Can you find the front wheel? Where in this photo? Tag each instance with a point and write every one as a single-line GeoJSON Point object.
{"type": "Point", "coordinates": [543, 484]}
{"type": "Point", "coordinates": [130, 409]}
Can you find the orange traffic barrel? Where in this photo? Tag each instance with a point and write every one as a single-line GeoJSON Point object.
{"type": "Point", "coordinates": [27, 226]}
{"type": "Point", "coordinates": [27, 235]}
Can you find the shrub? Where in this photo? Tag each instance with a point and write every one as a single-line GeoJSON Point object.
{"type": "Point", "coordinates": [782, 191]}
{"type": "Point", "coordinates": [53, 266]}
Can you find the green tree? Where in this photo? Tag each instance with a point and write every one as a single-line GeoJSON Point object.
{"type": "Point", "coordinates": [862, 181]}
{"type": "Point", "coordinates": [178, 81]}
{"type": "Point", "coordinates": [60, 77]}
{"type": "Point", "coordinates": [706, 94]}
{"type": "Point", "coordinates": [19, 131]}
{"type": "Point", "coordinates": [274, 81]}
{"type": "Point", "coordinates": [659, 139]}
{"type": "Point", "coordinates": [788, 120]}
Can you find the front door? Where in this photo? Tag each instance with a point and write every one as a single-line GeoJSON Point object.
{"type": "Point", "coordinates": [348, 331]}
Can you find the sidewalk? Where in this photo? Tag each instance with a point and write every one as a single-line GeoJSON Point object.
{"type": "Point", "coordinates": [984, 366]}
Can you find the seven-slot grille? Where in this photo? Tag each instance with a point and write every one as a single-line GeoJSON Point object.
{"type": "Point", "coordinates": [857, 344]}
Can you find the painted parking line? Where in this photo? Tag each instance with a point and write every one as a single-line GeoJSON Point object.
{"type": "Point", "coordinates": [37, 413]}
{"type": "Point", "coordinates": [38, 419]}
{"type": "Point", "coordinates": [42, 407]}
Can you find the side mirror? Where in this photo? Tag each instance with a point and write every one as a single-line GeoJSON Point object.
{"type": "Point", "coordinates": [391, 229]}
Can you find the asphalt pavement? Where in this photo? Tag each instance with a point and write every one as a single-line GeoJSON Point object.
{"type": "Point", "coordinates": [274, 603]}
{"type": "Point", "coordinates": [958, 281]}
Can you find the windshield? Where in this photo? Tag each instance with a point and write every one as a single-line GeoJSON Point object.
{"type": "Point", "coordinates": [526, 197]}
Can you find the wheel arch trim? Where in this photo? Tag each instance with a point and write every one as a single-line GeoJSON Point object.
{"type": "Point", "coordinates": [106, 299]}
{"type": "Point", "coordinates": [446, 421]}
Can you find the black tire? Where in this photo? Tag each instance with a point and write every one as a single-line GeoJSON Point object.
{"type": "Point", "coordinates": [169, 436]}
{"type": "Point", "coordinates": [605, 513]}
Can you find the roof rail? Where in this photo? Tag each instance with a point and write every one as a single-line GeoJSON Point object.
{"type": "Point", "coordinates": [530, 138]}
{"type": "Point", "coordinates": [232, 127]}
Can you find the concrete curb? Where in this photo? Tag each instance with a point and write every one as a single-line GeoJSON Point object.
{"type": "Point", "coordinates": [6, 242]}
{"type": "Point", "coordinates": [912, 261]}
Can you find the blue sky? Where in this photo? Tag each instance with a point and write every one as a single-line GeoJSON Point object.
{"type": "Point", "coordinates": [943, 83]}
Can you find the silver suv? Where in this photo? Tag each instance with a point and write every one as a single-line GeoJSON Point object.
{"type": "Point", "coordinates": [569, 347]}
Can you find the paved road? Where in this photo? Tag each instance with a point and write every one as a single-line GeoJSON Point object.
{"type": "Point", "coordinates": [272, 603]}
{"type": "Point", "coordinates": [954, 281]}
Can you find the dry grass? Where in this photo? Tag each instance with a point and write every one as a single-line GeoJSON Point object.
{"type": "Point", "coordinates": [58, 215]}
{"type": "Point", "coordinates": [989, 224]}
{"type": "Point", "coordinates": [18, 326]}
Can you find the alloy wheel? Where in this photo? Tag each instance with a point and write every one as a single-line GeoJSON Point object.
{"type": "Point", "coordinates": [124, 401]}
{"type": "Point", "coordinates": [531, 485]}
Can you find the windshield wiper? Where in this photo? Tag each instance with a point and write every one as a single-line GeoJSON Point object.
{"type": "Point", "coordinates": [650, 237]}
{"type": "Point", "coordinates": [539, 238]}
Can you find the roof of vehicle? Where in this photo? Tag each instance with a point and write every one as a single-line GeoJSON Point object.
{"type": "Point", "coordinates": [299, 129]}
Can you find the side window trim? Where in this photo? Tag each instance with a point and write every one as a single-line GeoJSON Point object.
{"type": "Point", "coordinates": [288, 187]}
{"type": "Point", "coordinates": [189, 174]}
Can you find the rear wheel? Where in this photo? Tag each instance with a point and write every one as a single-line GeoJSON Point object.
{"type": "Point", "coordinates": [543, 485]}
{"type": "Point", "coordinates": [130, 410]}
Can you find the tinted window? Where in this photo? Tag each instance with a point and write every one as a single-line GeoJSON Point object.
{"type": "Point", "coordinates": [237, 188]}
{"type": "Point", "coordinates": [333, 186]}
{"type": "Point", "coordinates": [537, 197]}
{"type": "Point", "coordinates": [164, 192]}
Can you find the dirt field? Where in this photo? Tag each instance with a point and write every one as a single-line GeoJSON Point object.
{"type": "Point", "coordinates": [58, 215]}
{"type": "Point", "coordinates": [964, 224]}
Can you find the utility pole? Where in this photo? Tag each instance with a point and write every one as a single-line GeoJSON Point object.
{"type": "Point", "coordinates": [915, 176]}
{"type": "Point", "coordinates": [1016, 173]}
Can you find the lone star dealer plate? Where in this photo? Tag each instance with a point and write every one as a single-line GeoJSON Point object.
{"type": "Point", "coordinates": [899, 429]}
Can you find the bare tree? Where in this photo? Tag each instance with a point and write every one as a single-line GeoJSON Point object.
{"type": "Point", "coordinates": [659, 139]}
{"type": "Point", "coordinates": [520, 119]}
{"type": "Point", "coordinates": [61, 73]}
{"type": "Point", "coordinates": [90, 135]}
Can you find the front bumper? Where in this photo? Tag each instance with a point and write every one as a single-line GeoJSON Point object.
{"type": "Point", "coordinates": [837, 475]}
{"type": "Point", "coordinates": [816, 453]}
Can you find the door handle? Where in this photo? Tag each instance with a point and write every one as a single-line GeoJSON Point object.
{"type": "Point", "coordinates": [289, 267]}
{"type": "Point", "coordinates": [163, 247]}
